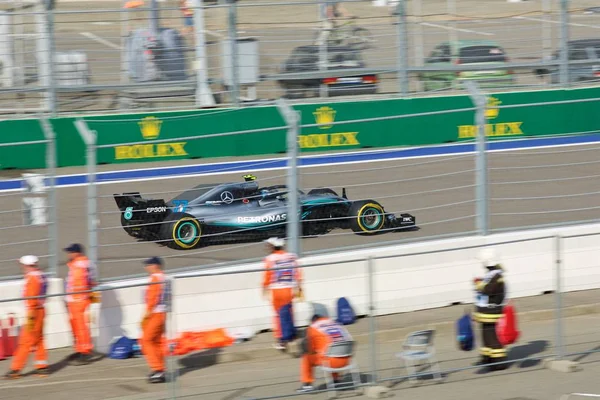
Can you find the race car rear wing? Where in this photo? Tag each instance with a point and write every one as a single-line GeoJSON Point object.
{"type": "Point", "coordinates": [135, 208]}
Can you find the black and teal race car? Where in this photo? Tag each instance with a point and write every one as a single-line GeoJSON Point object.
{"type": "Point", "coordinates": [244, 211]}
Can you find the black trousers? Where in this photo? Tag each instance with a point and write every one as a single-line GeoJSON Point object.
{"type": "Point", "coordinates": [491, 351]}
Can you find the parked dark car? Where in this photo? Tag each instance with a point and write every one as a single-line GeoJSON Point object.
{"type": "Point", "coordinates": [579, 50]}
{"type": "Point", "coordinates": [306, 59]}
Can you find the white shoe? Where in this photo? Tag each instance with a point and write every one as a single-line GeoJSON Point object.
{"type": "Point", "coordinates": [305, 389]}
{"type": "Point", "coordinates": [279, 346]}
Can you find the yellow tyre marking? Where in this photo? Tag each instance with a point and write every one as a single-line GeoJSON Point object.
{"type": "Point", "coordinates": [358, 218]}
{"type": "Point", "coordinates": [179, 242]}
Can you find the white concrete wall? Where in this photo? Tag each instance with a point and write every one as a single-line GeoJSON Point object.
{"type": "Point", "coordinates": [402, 283]}
{"type": "Point", "coordinates": [57, 328]}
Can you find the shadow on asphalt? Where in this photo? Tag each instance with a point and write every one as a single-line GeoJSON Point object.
{"type": "Point", "coordinates": [581, 357]}
{"type": "Point", "coordinates": [197, 361]}
{"type": "Point", "coordinates": [530, 349]}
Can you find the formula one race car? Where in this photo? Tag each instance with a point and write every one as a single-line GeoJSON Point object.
{"type": "Point", "coordinates": [244, 211]}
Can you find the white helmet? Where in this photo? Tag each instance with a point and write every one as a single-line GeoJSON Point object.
{"type": "Point", "coordinates": [276, 242]}
{"type": "Point", "coordinates": [488, 257]}
{"type": "Point", "coordinates": [29, 260]}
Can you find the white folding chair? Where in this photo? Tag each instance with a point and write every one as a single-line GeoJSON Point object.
{"type": "Point", "coordinates": [340, 350]}
{"type": "Point", "coordinates": [418, 347]}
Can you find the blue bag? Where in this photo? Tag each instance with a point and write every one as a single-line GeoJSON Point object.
{"type": "Point", "coordinates": [286, 321]}
{"type": "Point", "coordinates": [464, 333]}
{"type": "Point", "coordinates": [124, 348]}
{"type": "Point", "coordinates": [345, 312]}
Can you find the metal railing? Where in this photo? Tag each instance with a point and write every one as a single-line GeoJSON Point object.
{"type": "Point", "coordinates": [481, 187]}
{"type": "Point", "coordinates": [113, 58]}
{"type": "Point", "coordinates": [557, 266]}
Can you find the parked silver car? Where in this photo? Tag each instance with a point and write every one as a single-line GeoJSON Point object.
{"type": "Point", "coordinates": [579, 50]}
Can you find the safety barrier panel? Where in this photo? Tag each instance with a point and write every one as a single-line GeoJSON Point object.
{"type": "Point", "coordinates": [325, 127]}
{"type": "Point", "coordinates": [213, 311]}
{"type": "Point", "coordinates": [398, 278]}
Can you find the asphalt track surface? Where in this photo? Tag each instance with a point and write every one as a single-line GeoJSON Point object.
{"type": "Point", "coordinates": [254, 370]}
{"type": "Point", "coordinates": [529, 187]}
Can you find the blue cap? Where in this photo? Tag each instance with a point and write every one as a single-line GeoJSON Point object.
{"type": "Point", "coordinates": [74, 248]}
{"type": "Point", "coordinates": [153, 260]}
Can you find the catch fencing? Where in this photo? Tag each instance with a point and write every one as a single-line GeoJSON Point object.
{"type": "Point", "coordinates": [473, 188]}
{"type": "Point", "coordinates": [474, 192]}
{"type": "Point", "coordinates": [241, 54]}
{"type": "Point", "coordinates": [28, 214]}
{"type": "Point", "coordinates": [552, 281]}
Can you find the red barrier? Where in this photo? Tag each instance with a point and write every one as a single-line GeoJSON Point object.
{"type": "Point", "coordinates": [3, 342]}
{"type": "Point", "coordinates": [9, 336]}
{"type": "Point", "coordinates": [13, 334]}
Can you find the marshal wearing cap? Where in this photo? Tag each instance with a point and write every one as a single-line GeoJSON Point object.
{"type": "Point", "coordinates": [29, 260]}
{"type": "Point", "coordinates": [276, 242]}
{"type": "Point", "coordinates": [153, 261]}
{"type": "Point", "coordinates": [74, 248]}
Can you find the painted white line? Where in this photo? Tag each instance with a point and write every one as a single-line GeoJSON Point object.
{"type": "Point", "coordinates": [217, 34]}
{"type": "Point", "coordinates": [100, 40]}
{"type": "Point", "coordinates": [324, 164]}
{"type": "Point", "coordinates": [450, 28]}
{"type": "Point", "coordinates": [46, 383]}
{"type": "Point", "coordinates": [558, 22]}
{"type": "Point", "coordinates": [213, 33]}
{"type": "Point", "coordinates": [102, 23]}
{"type": "Point", "coordinates": [267, 159]}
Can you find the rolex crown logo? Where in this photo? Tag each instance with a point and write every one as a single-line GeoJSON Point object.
{"type": "Point", "coordinates": [150, 127]}
{"type": "Point", "coordinates": [324, 116]}
{"type": "Point", "coordinates": [492, 109]}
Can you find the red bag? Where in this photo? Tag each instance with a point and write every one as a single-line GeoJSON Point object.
{"type": "Point", "coordinates": [506, 328]}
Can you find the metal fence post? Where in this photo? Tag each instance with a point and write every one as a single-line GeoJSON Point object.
{"type": "Point", "coordinates": [292, 118]}
{"type": "Point", "coordinates": [564, 41]}
{"type": "Point", "coordinates": [372, 322]}
{"type": "Point", "coordinates": [323, 40]}
{"type": "Point", "coordinates": [402, 48]}
{"type": "Point", "coordinates": [481, 179]}
{"type": "Point", "coordinates": [89, 137]}
{"type": "Point", "coordinates": [45, 52]}
{"type": "Point", "coordinates": [558, 295]}
{"type": "Point", "coordinates": [547, 28]}
{"type": "Point", "coordinates": [418, 38]}
{"type": "Point", "coordinates": [204, 97]}
{"type": "Point", "coordinates": [233, 43]}
{"type": "Point", "coordinates": [451, 9]}
{"type": "Point", "coordinates": [52, 204]}
{"type": "Point", "coordinates": [171, 333]}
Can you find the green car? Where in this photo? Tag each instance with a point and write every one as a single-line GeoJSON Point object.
{"type": "Point", "coordinates": [471, 52]}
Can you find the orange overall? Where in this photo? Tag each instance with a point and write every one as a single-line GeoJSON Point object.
{"type": "Point", "coordinates": [153, 325]}
{"type": "Point", "coordinates": [32, 334]}
{"type": "Point", "coordinates": [80, 278]}
{"type": "Point", "coordinates": [319, 336]}
{"type": "Point", "coordinates": [283, 282]}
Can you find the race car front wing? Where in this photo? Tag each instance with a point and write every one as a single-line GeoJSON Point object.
{"type": "Point", "coordinates": [404, 221]}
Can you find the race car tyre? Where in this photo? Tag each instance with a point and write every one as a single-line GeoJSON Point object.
{"type": "Point", "coordinates": [323, 191]}
{"type": "Point", "coordinates": [181, 231]}
{"type": "Point", "coordinates": [366, 217]}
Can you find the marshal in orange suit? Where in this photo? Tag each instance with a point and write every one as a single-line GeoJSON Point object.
{"type": "Point", "coordinates": [283, 279]}
{"type": "Point", "coordinates": [320, 335]}
{"type": "Point", "coordinates": [32, 333]}
{"type": "Point", "coordinates": [81, 278]}
{"type": "Point", "coordinates": [153, 324]}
